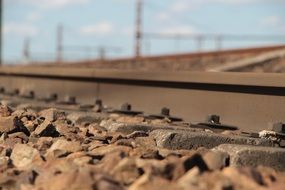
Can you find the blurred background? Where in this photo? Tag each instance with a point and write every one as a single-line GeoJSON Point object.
{"type": "Point", "coordinates": [85, 31]}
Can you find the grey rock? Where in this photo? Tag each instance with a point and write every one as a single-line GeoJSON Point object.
{"type": "Point", "coordinates": [130, 128]}
{"type": "Point", "coordinates": [80, 117]}
{"type": "Point", "coordinates": [193, 140]}
{"type": "Point", "coordinates": [253, 156]}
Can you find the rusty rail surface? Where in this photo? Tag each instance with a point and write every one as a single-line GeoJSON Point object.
{"type": "Point", "coordinates": [249, 101]}
{"type": "Point", "coordinates": [175, 57]}
{"type": "Point", "coordinates": [198, 54]}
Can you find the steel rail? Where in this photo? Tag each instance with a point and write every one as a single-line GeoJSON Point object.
{"type": "Point", "coordinates": [250, 101]}
{"type": "Point", "coordinates": [235, 88]}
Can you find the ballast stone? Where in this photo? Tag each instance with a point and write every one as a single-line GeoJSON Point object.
{"type": "Point", "coordinates": [253, 156]}
{"type": "Point", "coordinates": [171, 139]}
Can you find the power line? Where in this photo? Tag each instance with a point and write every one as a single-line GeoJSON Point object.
{"type": "Point", "coordinates": [229, 37]}
{"type": "Point", "coordinates": [101, 50]}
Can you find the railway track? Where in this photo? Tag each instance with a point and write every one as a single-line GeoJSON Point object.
{"type": "Point", "coordinates": [249, 101]}
{"type": "Point", "coordinates": [159, 139]}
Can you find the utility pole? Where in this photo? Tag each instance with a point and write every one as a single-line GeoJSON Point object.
{"type": "Point", "coordinates": [138, 35]}
{"type": "Point", "coordinates": [200, 40]}
{"type": "Point", "coordinates": [177, 42]}
{"type": "Point", "coordinates": [102, 53]}
{"type": "Point", "coordinates": [219, 39]}
{"type": "Point", "coordinates": [59, 42]}
{"type": "Point", "coordinates": [1, 28]}
{"type": "Point", "coordinates": [26, 50]}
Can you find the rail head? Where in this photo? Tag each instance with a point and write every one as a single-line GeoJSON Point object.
{"type": "Point", "coordinates": [227, 78]}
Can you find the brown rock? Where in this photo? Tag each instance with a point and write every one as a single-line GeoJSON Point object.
{"type": "Point", "coordinates": [95, 144]}
{"type": "Point", "coordinates": [23, 156]}
{"type": "Point", "coordinates": [109, 161]}
{"type": "Point", "coordinates": [216, 160]}
{"type": "Point", "coordinates": [20, 135]}
{"type": "Point", "coordinates": [126, 171]}
{"type": "Point", "coordinates": [148, 182]}
{"type": "Point", "coordinates": [74, 179]}
{"type": "Point", "coordinates": [244, 178]}
{"type": "Point", "coordinates": [4, 161]}
{"type": "Point", "coordinates": [136, 134]}
{"type": "Point", "coordinates": [30, 125]}
{"type": "Point", "coordinates": [81, 161]}
{"type": "Point", "coordinates": [46, 129]}
{"type": "Point", "coordinates": [190, 178]}
{"type": "Point", "coordinates": [62, 129]}
{"type": "Point", "coordinates": [103, 182]}
{"type": "Point", "coordinates": [5, 111]}
{"type": "Point", "coordinates": [52, 114]}
{"type": "Point", "coordinates": [67, 146]}
{"type": "Point", "coordinates": [104, 150]}
{"type": "Point", "coordinates": [44, 143]}
{"type": "Point", "coordinates": [7, 124]}
{"type": "Point", "coordinates": [131, 120]}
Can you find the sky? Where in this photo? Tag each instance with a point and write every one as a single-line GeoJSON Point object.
{"type": "Point", "coordinates": [89, 24]}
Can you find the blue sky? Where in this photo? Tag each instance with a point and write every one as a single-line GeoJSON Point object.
{"type": "Point", "coordinates": [110, 23]}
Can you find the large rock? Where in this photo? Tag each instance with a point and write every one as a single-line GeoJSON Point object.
{"type": "Point", "coordinates": [7, 124]}
{"type": "Point", "coordinates": [12, 124]}
{"type": "Point", "coordinates": [126, 128]}
{"type": "Point", "coordinates": [148, 182]}
{"type": "Point", "coordinates": [47, 129]}
{"type": "Point", "coordinates": [5, 111]}
{"type": "Point", "coordinates": [23, 156]}
{"type": "Point", "coordinates": [65, 146]}
{"type": "Point", "coordinates": [83, 118]}
{"type": "Point", "coordinates": [192, 140]}
{"type": "Point", "coordinates": [253, 156]}
{"type": "Point", "coordinates": [52, 114]}
{"type": "Point", "coordinates": [216, 160]}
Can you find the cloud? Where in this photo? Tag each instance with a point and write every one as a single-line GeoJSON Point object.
{"type": "Point", "coordinates": [20, 29]}
{"type": "Point", "coordinates": [50, 3]}
{"type": "Point", "coordinates": [185, 5]}
{"type": "Point", "coordinates": [182, 29]}
{"type": "Point", "coordinates": [33, 17]}
{"type": "Point", "coordinates": [128, 30]}
{"type": "Point", "coordinates": [272, 20]}
{"type": "Point", "coordinates": [102, 28]}
{"type": "Point", "coordinates": [163, 16]}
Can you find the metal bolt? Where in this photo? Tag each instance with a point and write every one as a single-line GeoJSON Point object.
{"type": "Point", "coordinates": [215, 119]}
{"type": "Point", "coordinates": [126, 107]}
{"type": "Point", "coordinates": [53, 96]}
{"type": "Point", "coordinates": [2, 90]}
{"type": "Point", "coordinates": [278, 127]}
{"type": "Point", "coordinates": [98, 105]}
{"type": "Point", "coordinates": [16, 92]}
{"type": "Point", "coordinates": [31, 94]}
{"type": "Point", "coordinates": [71, 99]}
{"type": "Point", "coordinates": [98, 102]}
{"type": "Point", "coordinates": [165, 111]}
